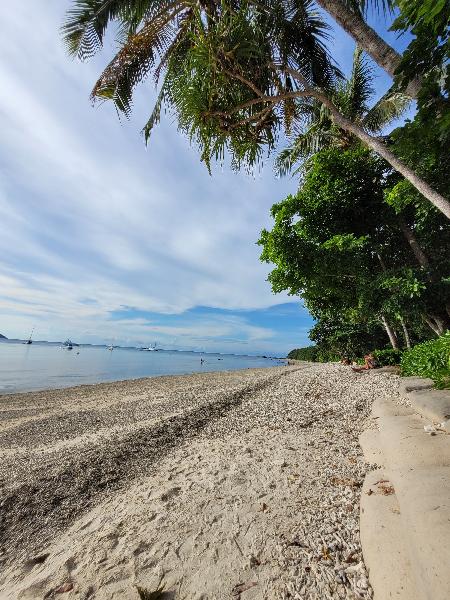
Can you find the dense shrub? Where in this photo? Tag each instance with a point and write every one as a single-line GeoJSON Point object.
{"type": "Point", "coordinates": [314, 354]}
{"type": "Point", "coordinates": [308, 353]}
{"type": "Point", "coordinates": [430, 359]}
{"type": "Point", "coordinates": [327, 356]}
{"type": "Point", "coordinates": [388, 357]}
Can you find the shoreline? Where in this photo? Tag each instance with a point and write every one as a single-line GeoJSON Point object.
{"type": "Point", "coordinates": [220, 479]}
{"type": "Point", "coordinates": [139, 379]}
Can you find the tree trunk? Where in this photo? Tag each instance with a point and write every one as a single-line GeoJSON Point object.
{"type": "Point", "coordinates": [369, 40]}
{"type": "Point", "coordinates": [405, 333]}
{"type": "Point", "coordinates": [391, 333]}
{"type": "Point", "coordinates": [431, 324]}
{"type": "Point", "coordinates": [372, 142]}
{"type": "Point", "coordinates": [420, 255]}
{"type": "Point", "coordinates": [442, 323]}
{"type": "Point", "coordinates": [379, 147]}
{"type": "Point", "coordinates": [437, 323]}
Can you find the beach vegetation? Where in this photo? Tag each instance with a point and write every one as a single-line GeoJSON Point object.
{"type": "Point", "coordinates": [429, 359]}
{"type": "Point", "coordinates": [239, 75]}
{"type": "Point", "coordinates": [370, 273]}
{"type": "Point", "coordinates": [387, 357]}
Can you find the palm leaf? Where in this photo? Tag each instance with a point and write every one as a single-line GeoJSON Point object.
{"type": "Point", "coordinates": [87, 21]}
{"type": "Point", "coordinates": [385, 7]}
{"type": "Point", "coordinates": [136, 58]}
{"type": "Point", "coordinates": [390, 107]}
{"type": "Point", "coordinates": [358, 89]}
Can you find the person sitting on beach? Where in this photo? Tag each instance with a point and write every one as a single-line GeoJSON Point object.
{"type": "Point", "coordinates": [369, 363]}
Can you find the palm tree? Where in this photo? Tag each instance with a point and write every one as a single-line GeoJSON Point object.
{"type": "Point", "coordinates": [233, 72]}
{"type": "Point", "coordinates": [155, 35]}
{"type": "Point", "coordinates": [317, 130]}
{"type": "Point", "coordinates": [349, 14]}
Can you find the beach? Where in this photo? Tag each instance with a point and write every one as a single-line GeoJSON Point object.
{"type": "Point", "coordinates": [240, 484]}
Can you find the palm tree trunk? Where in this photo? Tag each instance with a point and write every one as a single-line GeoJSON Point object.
{"type": "Point", "coordinates": [379, 147]}
{"type": "Point", "coordinates": [442, 322]}
{"type": "Point", "coordinates": [420, 255]}
{"type": "Point", "coordinates": [370, 141]}
{"type": "Point", "coordinates": [391, 333]}
{"type": "Point", "coordinates": [439, 323]}
{"type": "Point", "coordinates": [369, 40]}
{"type": "Point", "coordinates": [431, 324]}
{"type": "Point", "coordinates": [405, 333]}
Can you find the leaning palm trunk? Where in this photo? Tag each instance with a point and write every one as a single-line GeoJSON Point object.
{"type": "Point", "coordinates": [390, 332]}
{"type": "Point", "coordinates": [437, 323]}
{"type": "Point", "coordinates": [441, 203]}
{"type": "Point", "coordinates": [431, 324]}
{"type": "Point", "coordinates": [374, 144]}
{"type": "Point", "coordinates": [366, 37]}
{"type": "Point", "coordinates": [405, 333]}
{"type": "Point", "coordinates": [420, 255]}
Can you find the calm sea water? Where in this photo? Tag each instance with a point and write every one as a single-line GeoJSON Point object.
{"type": "Point", "coordinates": [43, 365]}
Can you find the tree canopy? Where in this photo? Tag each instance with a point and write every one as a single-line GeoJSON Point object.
{"type": "Point", "coordinates": [234, 73]}
{"type": "Point", "coordinates": [348, 254]}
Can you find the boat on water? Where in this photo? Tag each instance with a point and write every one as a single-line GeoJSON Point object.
{"type": "Point", "coordinates": [29, 340]}
{"type": "Point", "coordinates": [110, 347]}
{"type": "Point", "coordinates": [68, 345]}
{"type": "Point", "coordinates": [151, 348]}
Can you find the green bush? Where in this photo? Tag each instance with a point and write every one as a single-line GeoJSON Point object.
{"type": "Point", "coordinates": [430, 359]}
{"type": "Point", "coordinates": [388, 357]}
{"type": "Point", "coordinates": [308, 353]}
{"type": "Point", "coordinates": [324, 356]}
{"type": "Point", "coordinates": [313, 354]}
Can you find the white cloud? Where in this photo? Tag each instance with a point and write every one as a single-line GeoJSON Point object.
{"type": "Point", "coordinates": [87, 212]}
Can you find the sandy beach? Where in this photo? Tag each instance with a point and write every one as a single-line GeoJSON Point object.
{"type": "Point", "coordinates": [240, 484]}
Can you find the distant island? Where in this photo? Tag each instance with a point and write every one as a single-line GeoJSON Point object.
{"type": "Point", "coordinates": [3, 337]}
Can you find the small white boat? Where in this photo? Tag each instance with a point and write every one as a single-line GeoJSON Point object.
{"type": "Point", "coordinates": [68, 345]}
{"type": "Point", "coordinates": [110, 347]}
{"type": "Point", "coordinates": [152, 348]}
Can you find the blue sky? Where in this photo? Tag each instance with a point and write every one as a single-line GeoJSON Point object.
{"type": "Point", "coordinates": [103, 239]}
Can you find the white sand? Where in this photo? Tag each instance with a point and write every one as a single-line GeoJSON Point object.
{"type": "Point", "coordinates": [259, 499]}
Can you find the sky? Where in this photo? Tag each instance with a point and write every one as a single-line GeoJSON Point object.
{"type": "Point", "coordinates": [106, 240]}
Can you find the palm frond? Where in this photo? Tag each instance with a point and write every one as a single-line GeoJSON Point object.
{"type": "Point", "coordinates": [358, 89]}
{"type": "Point", "coordinates": [300, 34]}
{"type": "Point", "coordinates": [155, 117]}
{"type": "Point", "coordinates": [86, 22]}
{"type": "Point", "coordinates": [134, 61]}
{"type": "Point", "coordinates": [390, 107]}
{"type": "Point", "coordinates": [385, 7]}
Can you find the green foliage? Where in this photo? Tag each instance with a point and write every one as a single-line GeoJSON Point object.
{"type": "Point", "coordinates": [429, 359]}
{"type": "Point", "coordinates": [387, 357]}
{"type": "Point", "coordinates": [313, 354]}
{"type": "Point", "coordinates": [308, 353]}
{"type": "Point", "coordinates": [317, 130]}
{"type": "Point", "coordinates": [216, 60]}
{"type": "Point", "coordinates": [337, 336]}
{"type": "Point", "coordinates": [427, 57]}
{"type": "Point", "coordinates": [341, 247]}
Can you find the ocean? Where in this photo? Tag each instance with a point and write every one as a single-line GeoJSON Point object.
{"type": "Point", "coordinates": [46, 365]}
